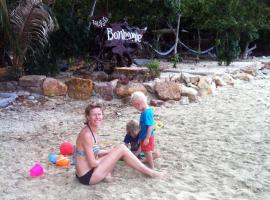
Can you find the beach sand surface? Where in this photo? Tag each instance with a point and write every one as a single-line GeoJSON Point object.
{"type": "Point", "coordinates": [217, 148]}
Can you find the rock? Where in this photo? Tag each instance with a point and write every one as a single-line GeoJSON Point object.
{"type": "Point", "coordinates": [23, 93]}
{"type": "Point", "coordinates": [156, 102]}
{"type": "Point", "coordinates": [31, 97]}
{"type": "Point", "coordinates": [99, 76]}
{"type": "Point", "coordinates": [37, 90]}
{"type": "Point", "coordinates": [141, 61]}
{"type": "Point", "coordinates": [266, 65]}
{"type": "Point", "coordinates": [105, 90]}
{"type": "Point", "coordinates": [9, 86]}
{"type": "Point", "coordinates": [252, 70]}
{"type": "Point", "coordinates": [244, 76]}
{"type": "Point", "coordinates": [184, 100]}
{"type": "Point", "coordinates": [190, 92]}
{"type": "Point", "coordinates": [126, 90]}
{"type": "Point", "coordinates": [168, 91]}
{"type": "Point", "coordinates": [53, 87]}
{"type": "Point", "coordinates": [32, 80]}
{"type": "Point", "coordinates": [219, 81]}
{"type": "Point", "coordinates": [131, 72]}
{"type": "Point", "coordinates": [150, 87]}
{"type": "Point", "coordinates": [190, 78]}
{"type": "Point", "coordinates": [79, 88]}
{"type": "Point", "coordinates": [228, 79]}
{"type": "Point", "coordinates": [205, 86]}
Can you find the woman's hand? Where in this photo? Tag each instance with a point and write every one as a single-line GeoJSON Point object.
{"type": "Point", "coordinates": [103, 152]}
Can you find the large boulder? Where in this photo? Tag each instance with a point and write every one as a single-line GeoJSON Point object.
{"type": "Point", "coordinates": [205, 86]}
{"type": "Point", "coordinates": [32, 83]}
{"type": "Point", "coordinates": [53, 87]}
{"type": "Point", "coordinates": [32, 80]}
{"type": "Point", "coordinates": [168, 90]}
{"type": "Point", "coordinates": [79, 88]}
{"type": "Point", "coordinates": [105, 89]}
{"type": "Point", "coordinates": [126, 90]}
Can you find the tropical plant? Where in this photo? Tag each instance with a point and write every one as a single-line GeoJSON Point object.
{"type": "Point", "coordinates": [31, 21]}
{"type": "Point", "coordinates": [154, 68]}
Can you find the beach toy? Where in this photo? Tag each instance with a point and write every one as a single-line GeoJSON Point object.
{"type": "Point", "coordinates": [36, 170]}
{"type": "Point", "coordinates": [158, 125]}
{"type": "Point", "coordinates": [62, 161]}
{"type": "Point", "coordinates": [52, 158]}
{"type": "Point", "coordinates": [66, 148]}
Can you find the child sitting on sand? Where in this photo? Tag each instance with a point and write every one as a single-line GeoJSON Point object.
{"type": "Point", "coordinates": [132, 137]}
{"type": "Point", "coordinates": [146, 134]}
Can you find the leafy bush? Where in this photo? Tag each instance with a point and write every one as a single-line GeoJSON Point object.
{"type": "Point", "coordinates": [175, 59]}
{"type": "Point", "coordinates": [228, 48]}
{"type": "Point", "coordinates": [154, 68]}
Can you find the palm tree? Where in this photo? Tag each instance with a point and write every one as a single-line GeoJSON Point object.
{"type": "Point", "coordinates": [30, 23]}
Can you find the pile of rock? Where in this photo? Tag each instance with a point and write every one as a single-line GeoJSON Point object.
{"type": "Point", "coordinates": [184, 87]}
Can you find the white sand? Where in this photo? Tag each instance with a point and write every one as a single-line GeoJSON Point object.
{"type": "Point", "coordinates": [218, 148]}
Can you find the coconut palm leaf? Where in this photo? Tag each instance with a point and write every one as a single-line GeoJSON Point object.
{"type": "Point", "coordinates": [32, 24]}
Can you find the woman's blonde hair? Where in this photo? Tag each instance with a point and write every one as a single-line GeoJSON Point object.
{"type": "Point", "coordinates": [138, 96]}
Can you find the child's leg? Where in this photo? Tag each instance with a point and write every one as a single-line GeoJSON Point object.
{"type": "Point", "coordinates": [149, 158]}
{"type": "Point", "coordinates": [156, 154]}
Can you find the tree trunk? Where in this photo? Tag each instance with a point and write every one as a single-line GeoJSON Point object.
{"type": "Point", "coordinates": [248, 50]}
{"type": "Point", "coordinates": [199, 42]}
{"type": "Point", "coordinates": [177, 33]}
{"type": "Point", "coordinates": [92, 13]}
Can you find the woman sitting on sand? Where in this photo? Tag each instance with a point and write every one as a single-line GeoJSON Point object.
{"type": "Point", "coordinates": [94, 165]}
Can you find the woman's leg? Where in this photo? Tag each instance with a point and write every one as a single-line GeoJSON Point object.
{"type": "Point", "coordinates": [108, 162]}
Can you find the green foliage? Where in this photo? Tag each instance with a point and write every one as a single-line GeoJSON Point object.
{"type": "Point", "coordinates": [72, 38]}
{"type": "Point", "coordinates": [228, 48]}
{"type": "Point", "coordinates": [42, 63]}
{"type": "Point", "coordinates": [175, 59]}
{"type": "Point", "coordinates": [14, 73]}
{"type": "Point", "coordinates": [153, 67]}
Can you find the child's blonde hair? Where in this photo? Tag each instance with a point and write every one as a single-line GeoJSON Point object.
{"type": "Point", "coordinates": [138, 96]}
{"type": "Point", "coordinates": [132, 127]}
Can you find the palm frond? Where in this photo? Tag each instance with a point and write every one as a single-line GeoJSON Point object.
{"type": "Point", "coordinates": [32, 24]}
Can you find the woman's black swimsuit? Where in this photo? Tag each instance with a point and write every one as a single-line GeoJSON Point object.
{"type": "Point", "coordinates": [85, 179]}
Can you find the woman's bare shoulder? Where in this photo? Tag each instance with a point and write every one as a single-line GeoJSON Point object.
{"type": "Point", "coordinates": [84, 136]}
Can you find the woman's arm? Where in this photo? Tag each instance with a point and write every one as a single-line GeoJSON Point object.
{"type": "Point", "coordinates": [103, 152]}
{"type": "Point", "coordinates": [87, 144]}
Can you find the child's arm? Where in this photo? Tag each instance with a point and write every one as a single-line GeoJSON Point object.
{"type": "Point", "coordinates": [148, 135]}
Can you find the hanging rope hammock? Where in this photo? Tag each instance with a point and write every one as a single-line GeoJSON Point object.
{"type": "Point", "coordinates": [207, 51]}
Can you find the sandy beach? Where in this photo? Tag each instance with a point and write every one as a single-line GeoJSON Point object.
{"type": "Point", "coordinates": [217, 148]}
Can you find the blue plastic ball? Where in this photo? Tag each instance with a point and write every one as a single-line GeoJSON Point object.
{"type": "Point", "coordinates": [52, 158]}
